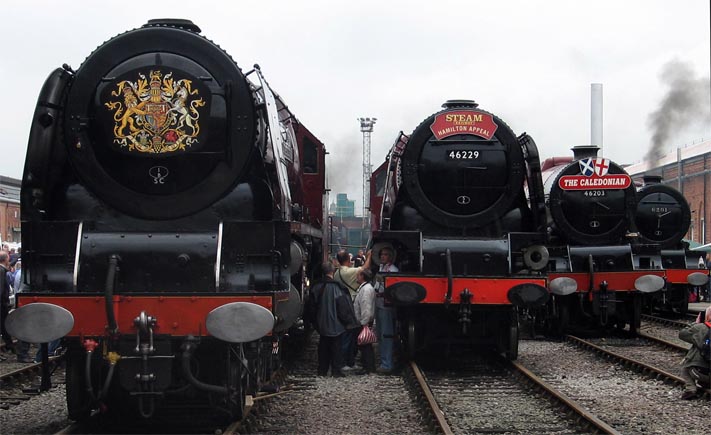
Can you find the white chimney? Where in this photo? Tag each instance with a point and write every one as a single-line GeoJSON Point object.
{"type": "Point", "coordinates": [596, 116]}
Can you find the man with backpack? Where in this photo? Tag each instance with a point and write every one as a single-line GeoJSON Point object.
{"type": "Point", "coordinates": [331, 310]}
{"type": "Point", "coordinates": [696, 363]}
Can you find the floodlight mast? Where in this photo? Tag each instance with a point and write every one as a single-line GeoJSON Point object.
{"type": "Point", "coordinates": [366, 127]}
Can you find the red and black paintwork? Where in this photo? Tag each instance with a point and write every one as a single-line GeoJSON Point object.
{"type": "Point", "coordinates": [173, 212]}
{"type": "Point", "coordinates": [613, 248]}
{"type": "Point", "coordinates": [450, 200]}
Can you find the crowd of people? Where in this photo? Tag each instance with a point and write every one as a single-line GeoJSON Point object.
{"type": "Point", "coordinates": [346, 302]}
{"type": "Point", "coordinates": [10, 285]}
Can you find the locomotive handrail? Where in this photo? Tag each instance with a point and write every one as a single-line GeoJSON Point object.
{"type": "Point", "coordinates": [75, 274]}
{"type": "Point", "coordinates": [218, 257]}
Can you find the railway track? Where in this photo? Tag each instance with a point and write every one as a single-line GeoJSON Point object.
{"type": "Point", "coordinates": [636, 364]}
{"type": "Point", "coordinates": [22, 382]}
{"type": "Point", "coordinates": [500, 397]}
{"type": "Point", "coordinates": [668, 322]}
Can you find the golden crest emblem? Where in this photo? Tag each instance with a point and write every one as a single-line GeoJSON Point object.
{"type": "Point", "coordinates": [156, 114]}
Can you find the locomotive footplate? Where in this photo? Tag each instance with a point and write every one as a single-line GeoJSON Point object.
{"type": "Point", "coordinates": [627, 281]}
{"type": "Point", "coordinates": [479, 291]}
{"type": "Point", "coordinates": [178, 315]}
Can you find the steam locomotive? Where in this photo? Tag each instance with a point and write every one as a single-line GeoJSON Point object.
{"type": "Point", "coordinates": [470, 247]}
{"type": "Point", "coordinates": [663, 217]}
{"type": "Point", "coordinates": [610, 244]}
{"type": "Point", "coordinates": [172, 212]}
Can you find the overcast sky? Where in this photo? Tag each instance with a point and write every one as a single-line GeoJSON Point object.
{"type": "Point", "coordinates": [529, 62]}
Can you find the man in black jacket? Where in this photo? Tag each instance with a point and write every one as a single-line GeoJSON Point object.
{"type": "Point", "coordinates": [333, 316]}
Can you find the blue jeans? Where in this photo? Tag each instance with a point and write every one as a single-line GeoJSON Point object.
{"type": "Point", "coordinates": [348, 346]}
{"type": "Point", "coordinates": [51, 347]}
{"type": "Point", "coordinates": [385, 328]}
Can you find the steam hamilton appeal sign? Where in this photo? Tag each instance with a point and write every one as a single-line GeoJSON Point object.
{"type": "Point", "coordinates": [464, 122]}
{"type": "Point", "coordinates": [594, 174]}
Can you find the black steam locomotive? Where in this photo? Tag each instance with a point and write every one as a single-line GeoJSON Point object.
{"type": "Point", "coordinates": [171, 216]}
{"type": "Point", "coordinates": [610, 244]}
{"type": "Point", "coordinates": [450, 199]}
{"type": "Point", "coordinates": [663, 218]}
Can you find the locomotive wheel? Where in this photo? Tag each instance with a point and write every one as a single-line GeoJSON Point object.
{"type": "Point", "coordinates": [634, 312]}
{"type": "Point", "coordinates": [683, 301]}
{"type": "Point", "coordinates": [512, 340]}
{"type": "Point", "coordinates": [237, 378]}
{"type": "Point", "coordinates": [78, 400]}
{"type": "Point", "coordinates": [562, 321]}
{"type": "Point", "coordinates": [412, 335]}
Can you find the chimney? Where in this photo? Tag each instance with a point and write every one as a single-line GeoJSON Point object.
{"type": "Point", "coordinates": [651, 179]}
{"type": "Point", "coordinates": [596, 115]}
{"type": "Point", "coordinates": [582, 151]}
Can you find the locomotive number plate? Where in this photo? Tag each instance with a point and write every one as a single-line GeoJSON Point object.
{"type": "Point", "coordinates": [595, 193]}
{"type": "Point", "coordinates": [462, 155]}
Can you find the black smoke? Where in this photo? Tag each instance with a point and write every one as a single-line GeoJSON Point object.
{"type": "Point", "coordinates": [685, 103]}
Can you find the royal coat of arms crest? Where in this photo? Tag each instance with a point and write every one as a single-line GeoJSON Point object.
{"type": "Point", "coordinates": [158, 114]}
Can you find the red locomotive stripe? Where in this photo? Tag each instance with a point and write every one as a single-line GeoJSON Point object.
{"type": "Point", "coordinates": [177, 315]}
{"type": "Point", "coordinates": [616, 281]}
{"type": "Point", "coordinates": [485, 291]}
{"type": "Point", "coordinates": [679, 276]}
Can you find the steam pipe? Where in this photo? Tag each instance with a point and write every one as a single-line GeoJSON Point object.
{"type": "Point", "coordinates": [89, 346]}
{"type": "Point", "coordinates": [448, 258]}
{"type": "Point", "coordinates": [188, 347]}
{"type": "Point", "coordinates": [107, 383]}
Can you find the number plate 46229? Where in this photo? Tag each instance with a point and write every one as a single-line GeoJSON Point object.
{"type": "Point", "coordinates": [462, 154]}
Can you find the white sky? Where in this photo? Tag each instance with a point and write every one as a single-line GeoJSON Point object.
{"type": "Point", "coordinates": [529, 62]}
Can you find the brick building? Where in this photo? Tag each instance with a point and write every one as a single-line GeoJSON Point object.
{"type": "Point", "coordinates": [10, 209]}
{"type": "Point", "coordinates": [693, 163]}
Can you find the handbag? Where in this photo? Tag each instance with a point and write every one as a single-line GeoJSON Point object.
{"type": "Point", "coordinates": [366, 336]}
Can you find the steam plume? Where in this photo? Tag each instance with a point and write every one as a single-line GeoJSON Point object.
{"type": "Point", "coordinates": [686, 103]}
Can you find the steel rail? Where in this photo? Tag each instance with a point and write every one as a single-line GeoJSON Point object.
{"type": "Point", "coordinates": [663, 342]}
{"type": "Point", "coordinates": [663, 321]}
{"type": "Point", "coordinates": [30, 368]}
{"type": "Point", "coordinates": [565, 400]}
{"type": "Point", "coordinates": [644, 368]}
{"type": "Point", "coordinates": [437, 412]}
